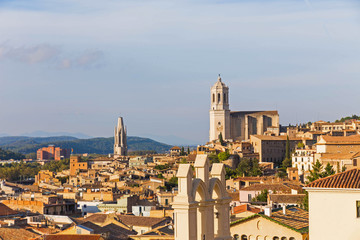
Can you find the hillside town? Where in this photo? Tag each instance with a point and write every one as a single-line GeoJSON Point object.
{"type": "Point", "coordinates": [253, 179]}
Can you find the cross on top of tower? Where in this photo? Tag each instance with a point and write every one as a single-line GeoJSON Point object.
{"type": "Point", "coordinates": [219, 78]}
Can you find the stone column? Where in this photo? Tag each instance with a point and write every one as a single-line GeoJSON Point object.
{"type": "Point", "coordinates": [185, 221]}
{"type": "Point", "coordinates": [222, 230]}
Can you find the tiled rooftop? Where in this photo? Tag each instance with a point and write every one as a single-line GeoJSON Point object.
{"type": "Point", "coordinates": [347, 179]}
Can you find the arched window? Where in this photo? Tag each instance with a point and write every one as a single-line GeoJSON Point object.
{"type": "Point", "coordinates": [284, 238]}
{"type": "Point", "coordinates": [276, 238]}
{"type": "Point", "coordinates": [219, 97]}
{"type": "Point", "coordinates": [213, 97]}
{"type": "Point", "coordinates": [292, 238]}
{"type": "Point", "coordinates": [224, 98]}
{"type": "Point", "coordinates": [236, 237]}
{"type": "Point", "coordinates": [244, 237]}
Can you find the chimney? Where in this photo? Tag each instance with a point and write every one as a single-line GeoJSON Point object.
{"type": "Point", "coordinates": [267, 211]}
{"type": "Point", "coordinates": [284, 209]}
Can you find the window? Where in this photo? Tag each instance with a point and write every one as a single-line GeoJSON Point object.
{"type": "Point", "coordinates": [249, 197]}
{"type": "Point", "coordinates": [244, 237]}
{"type": "Point", "coordinates": [213, 98]}
{"type": "Point", "coordinates": [354, 162]}
{"type": "Point", "coordinates": [166, 201]}
{"type": "Point", "coordinates": [358, 209]}
{"type": "Point", "coordinates": [219, 96]}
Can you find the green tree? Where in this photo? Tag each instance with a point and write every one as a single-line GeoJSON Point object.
{"type": "Point", "coordinates": [305, 202]}
{"type": "Point", "coordinates": [300, 145]}
{"type": "Point", "coordinates": [223, 156]}
{"type": "Point", "coordinates": [248, 167]}
{"type": "Point", "coordinates": [221, 140]}
{"type": "Point", "coordinates": [287, 148]}
{"type": "Point", "coordinates": [328, 171]}
{"type": "Point", "coordinates": [343, 169]}
{"type": "Point", "coordinates": [315, 173]}
{"type": "Point", "coordinates": [213, 158]}
{"type": "Point", "coordinates": [182, 153]}
{"type": "Point", "coordinates": [262, 197]}
{"type": "Point", "coordinates": [188, 150]}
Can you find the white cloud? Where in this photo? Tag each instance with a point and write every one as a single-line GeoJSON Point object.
{"type": "Point", "coordinates": [30, 54]}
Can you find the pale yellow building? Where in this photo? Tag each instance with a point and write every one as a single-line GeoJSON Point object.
{"type": "Point", "coordinates": [334, 206]}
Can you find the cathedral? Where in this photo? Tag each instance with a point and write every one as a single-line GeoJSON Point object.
{"type": "Point", "coordinates": [120, 145]}
{"type": "Point", "coordinates": [237, 125]}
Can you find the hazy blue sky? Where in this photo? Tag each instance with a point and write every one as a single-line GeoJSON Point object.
{"type": "Point", "coordinates": [75, 66]}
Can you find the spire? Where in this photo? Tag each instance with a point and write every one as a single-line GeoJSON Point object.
{"type": "Point", "coordinates": [219, 78]}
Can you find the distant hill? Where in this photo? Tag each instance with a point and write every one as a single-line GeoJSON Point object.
{"type": "Point", "coordinates": [6, 155]}
{"type": "Point", "coordinates": [26, 145]}
{"type": "Point", "coordinates": [56, 134]}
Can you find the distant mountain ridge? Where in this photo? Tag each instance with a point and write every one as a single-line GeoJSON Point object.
{"type": "Point", "coordinates": [24, 145]}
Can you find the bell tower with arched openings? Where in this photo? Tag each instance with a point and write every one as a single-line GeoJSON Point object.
{"type": "Point", "coordinates": [219, 111]}
{"type": "Point", "coordinates": [201, 208]}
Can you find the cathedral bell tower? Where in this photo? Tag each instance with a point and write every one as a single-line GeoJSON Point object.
{"type": "Point", "coordinates": [219, 111]}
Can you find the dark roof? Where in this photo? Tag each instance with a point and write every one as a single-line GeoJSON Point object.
{"type": "Point", "coordinates": [140, 220]}
{"type": "Point", "coordinates": [347, 179]}
{"type": "Point", "coordinates": [269, 186]}
{"type": "Point", "coordinates": [286, 198]}
{"type": "Point", "coordinates": [162, 230]}
{"type": "Point", "coordinates": [16, 233]}
{"type": "Point", "coordinates": [116, 232]}
{"type": "Point", "coordinates": [72, 237]}
{"type": "Point", "coordinates": [6, 211]}
{"type": "Point", "coordinates": [234, 113]}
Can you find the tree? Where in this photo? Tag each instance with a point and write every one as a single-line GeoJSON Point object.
{"type": "Point", "coordinates": [188, 150]}
{"type": "Point", "coordinates": [305, 201]}
{"type": "Point", "coordinates": [316, 172]}
{"type": "Point", "coordinates": [213, 158]}
{"type": "Point", "coordinates": [182, 153]}
{"type": "Point", "coordinates": [343, 169]}
{"type": "Point", "coordinates": [328, 171]}
{"type": "Point", "coordinates": [248, 167]}
{"type": "Point", "coordinates": [221, 140]}
{"type": "Point", "coordinates": [300, 145]}
{"type": "Point", "coordinates": [287, 149]}
{"type": "Point", "coordinates": [262, 197]}
{"type": "Point", "coordinates": [223, 156]}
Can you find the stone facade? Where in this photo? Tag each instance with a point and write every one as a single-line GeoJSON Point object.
{"type": "Point", "coordinates": [237, 126]}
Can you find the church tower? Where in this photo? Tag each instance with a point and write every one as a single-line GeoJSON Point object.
{"type": "Point", "coordinates": [120, 145]}
{"type": "Point", "coordinates": [219, 111]}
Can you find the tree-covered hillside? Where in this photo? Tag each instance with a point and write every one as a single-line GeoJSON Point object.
{"type": "Point", "coordinates": [348, 118]}
{"type": "Point", "coordinates": [6, 155]}
{"type": "Point", "coordinates": [27, 145]}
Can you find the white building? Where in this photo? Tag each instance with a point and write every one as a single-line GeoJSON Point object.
{"type": "Point", "coordinates": [334, 206]}
{"type": "Point", "coordinates": [303, 159]}
{"type": "Point", "coordinates": [88, 207]}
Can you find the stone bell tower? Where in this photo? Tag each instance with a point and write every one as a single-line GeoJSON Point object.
{"type": "Point", "coordinates": [219, 111]}
{"type": "Point", "coordinates": [120, 144]}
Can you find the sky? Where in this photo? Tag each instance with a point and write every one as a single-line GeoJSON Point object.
{"type": "Point", "coordinates": [75, 66]}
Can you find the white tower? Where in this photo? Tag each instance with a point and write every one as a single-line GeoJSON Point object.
{"type": "Point", "coordinates": [219, 111]}
{"type": "Point", "coordinates": [120, 145]}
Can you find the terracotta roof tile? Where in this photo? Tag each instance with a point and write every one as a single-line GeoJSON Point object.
{"type": "Point", "coordinates": [347, 179]}
{"type": "Point", "coordinates": [245, 208]}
